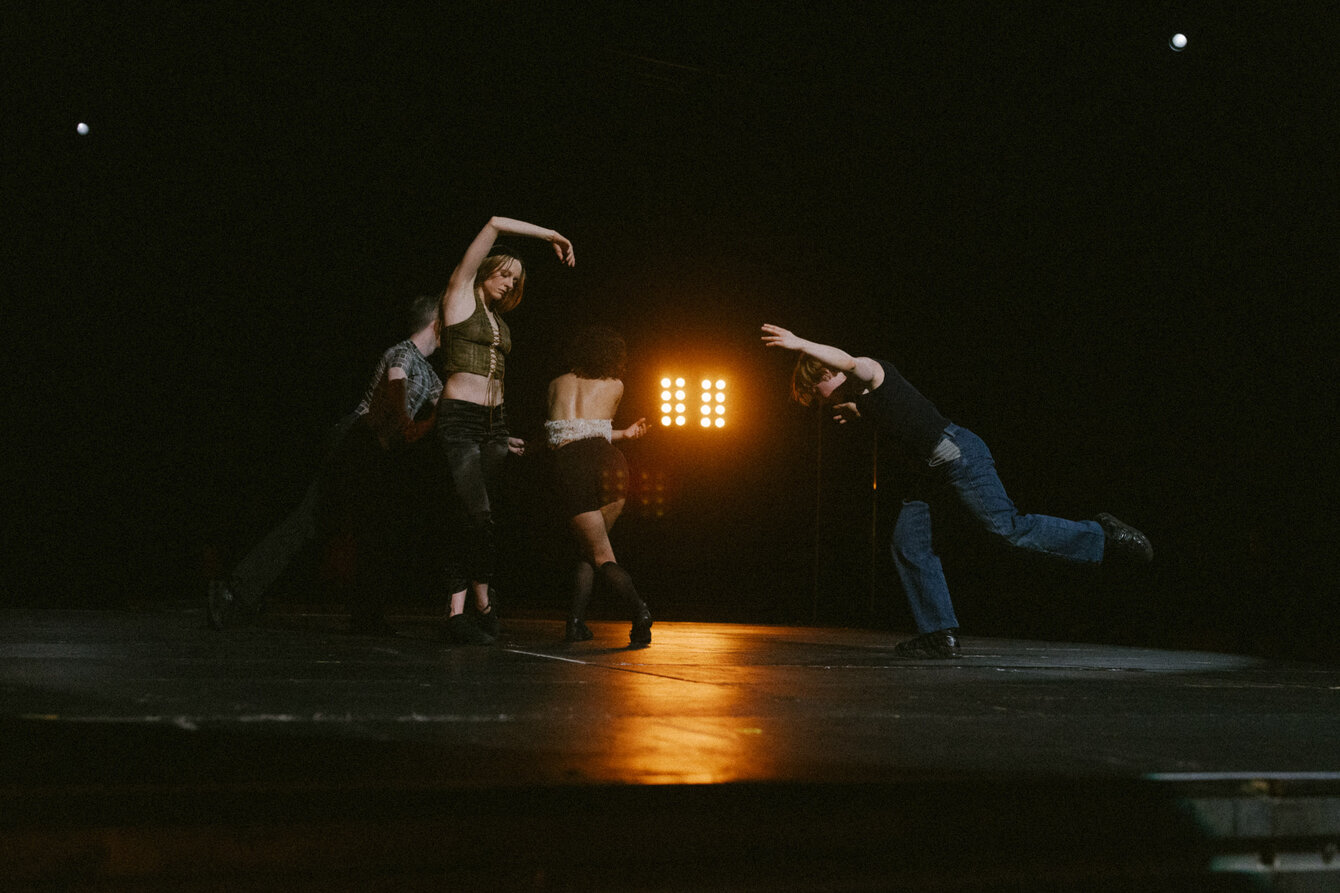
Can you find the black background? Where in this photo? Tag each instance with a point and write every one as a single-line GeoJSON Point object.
{"type": "Point", "coordinates": [1113, 261]}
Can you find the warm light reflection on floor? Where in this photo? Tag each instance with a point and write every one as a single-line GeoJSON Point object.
{"type": "Point", "coordinates": [678, 718]}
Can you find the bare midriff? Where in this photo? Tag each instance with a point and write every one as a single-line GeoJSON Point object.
{"type": "Point", "coordinates": [473, 388]}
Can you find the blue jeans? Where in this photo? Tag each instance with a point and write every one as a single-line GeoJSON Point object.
{"type": "Point", "coordinates": [971, 481]}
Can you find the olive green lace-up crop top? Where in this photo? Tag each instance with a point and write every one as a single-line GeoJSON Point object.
{"type": "Point", "coordinates": [476, 344]}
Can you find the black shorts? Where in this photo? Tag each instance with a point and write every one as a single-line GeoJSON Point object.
{"type": "Point", "coordinates": [588, 474]}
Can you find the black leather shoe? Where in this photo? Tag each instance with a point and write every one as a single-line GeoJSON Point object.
{"type": "Point", "coordinates": [1123, 542]}
{"type": "Point", "coordinates": [577, 631]}
{"type": "Point", "coordinates": [640, 634]}
{"type": "Point", "coordinates": [487, 621]}
{"type": "Point", "coordinates": [487, 618]}
{"type": "Point", "coordinates": [461, 631]}
{"type": "Point", "coordinates": [940, 645]}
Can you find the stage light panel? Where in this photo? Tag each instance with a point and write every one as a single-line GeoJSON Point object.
{"type": "Point", "coordinates": [675, 396]}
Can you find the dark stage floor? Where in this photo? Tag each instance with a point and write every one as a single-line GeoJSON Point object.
{"type": "Point", "coordinates": [142, 751]}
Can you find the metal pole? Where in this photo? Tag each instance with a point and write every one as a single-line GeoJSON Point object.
{"type": "Point", "coordinates": [818, 506]}
{"type": "Point", "coordinates": [874, 517]}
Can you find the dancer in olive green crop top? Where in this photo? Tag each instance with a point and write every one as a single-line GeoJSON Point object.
{"type": "Point", "coordinates": [471, 426]}
{"type": "Point", "coordinates": [479, 344]}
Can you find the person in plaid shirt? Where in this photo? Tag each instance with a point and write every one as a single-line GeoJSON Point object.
{"type": "Point", "coordinates": [362, 483]}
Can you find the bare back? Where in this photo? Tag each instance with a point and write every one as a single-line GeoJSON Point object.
{"type": "Point", "coordinates": [571, 397]}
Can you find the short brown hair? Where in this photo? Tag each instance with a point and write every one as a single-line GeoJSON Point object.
{"type": "Point", "coordinates": [421, 311]}
{"type": "Point", "coordinates": [808, 373]}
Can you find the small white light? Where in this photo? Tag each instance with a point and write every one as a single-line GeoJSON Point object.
{"type": "Point", "coordinates": [665, 382]}
{"type": "Point", "coordinates": [679, 382]}
{"type": "Point", "coordinates": [679, 420]}
{"type": "Point", "coordinates": [81, 128]}
{"type": "Point", "coordinates": [721, 423]}
{"type": "Point", "coordinates": [665, 420]}
{"type": "Point", "coordinates": [1178, 42]}
{"type": "Point", "coordinates": [721, 384]}
{"type": "Point", "coordinates": [707, 423]}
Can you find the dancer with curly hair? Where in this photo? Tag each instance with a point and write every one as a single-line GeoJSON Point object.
{"type": "Point", "coordinates": [590, 473]}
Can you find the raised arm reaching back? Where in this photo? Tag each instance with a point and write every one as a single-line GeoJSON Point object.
{"type": "Point", "coordinates": [861, 370]}
{"type": "Point", "coordinates": [458, 302]}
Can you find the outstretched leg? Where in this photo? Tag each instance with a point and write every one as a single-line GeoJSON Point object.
{"type": "Point", "coordinates": [973, 478]}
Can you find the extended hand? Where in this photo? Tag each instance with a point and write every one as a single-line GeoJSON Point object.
{"type": "Point", "coordinates": [776, 336]}
{"type": "Point", "coordinates": [636, 430]}
{"type": "Point", "coordinates": [516, 446]}
{"type": "Point", "coordinates": [845, 412]}
{"type": "Point", "coordinates": [563, 248]}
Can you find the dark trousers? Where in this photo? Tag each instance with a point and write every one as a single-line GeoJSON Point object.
{"type": "Point", "coordinates": [471, 446]}
{"type": "Point", "coordinates": [267, 560]}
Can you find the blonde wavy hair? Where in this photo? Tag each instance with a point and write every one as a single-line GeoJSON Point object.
{"type": "Point", "coordinates": [497, 258]}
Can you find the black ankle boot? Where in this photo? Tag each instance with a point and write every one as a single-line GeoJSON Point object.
{"type": "Point", "coordinates": [487, 621]}
{"type": "Point", "coordinates": [577, 631]}
{"type": "Point", "coordinates": [461, 631]}
{"type": "Point", "coordinates": [640, 634]}
{"type": "Point", "coordinates": [486, 618]}
{"type": "Point", "coordinates": [618, 580]}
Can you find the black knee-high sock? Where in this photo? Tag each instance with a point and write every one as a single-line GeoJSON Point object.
{"type": "Point", "coordinates": [583, 579]}
{"type": "Point", "coordinates": [620, 582]}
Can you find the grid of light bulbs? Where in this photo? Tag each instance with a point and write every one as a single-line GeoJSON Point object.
{"type": "Point", "coordinates": [677, 411]}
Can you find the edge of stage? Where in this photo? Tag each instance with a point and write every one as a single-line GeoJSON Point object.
{"type": "Point", "coordinates": [144, 751]}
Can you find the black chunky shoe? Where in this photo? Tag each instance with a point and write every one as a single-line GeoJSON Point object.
{"type": "Point", "coordinates": [577, 631]}
{"type": "Point", "coordinates": [640, 634]}
{"type": "Point", "coordinates": [939, 645]}
{"type": "Point", "coordinates": [487, 621]}
{"type": "Point", "coordinates": [462, 632]}
{"type": "Point", "coordinates": [487, 618]}
{"type": "Point", "coordinates": [1123, 542]}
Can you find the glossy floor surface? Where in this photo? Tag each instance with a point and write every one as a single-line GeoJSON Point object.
{"type": "Point", "coordinates": [144, 751]}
